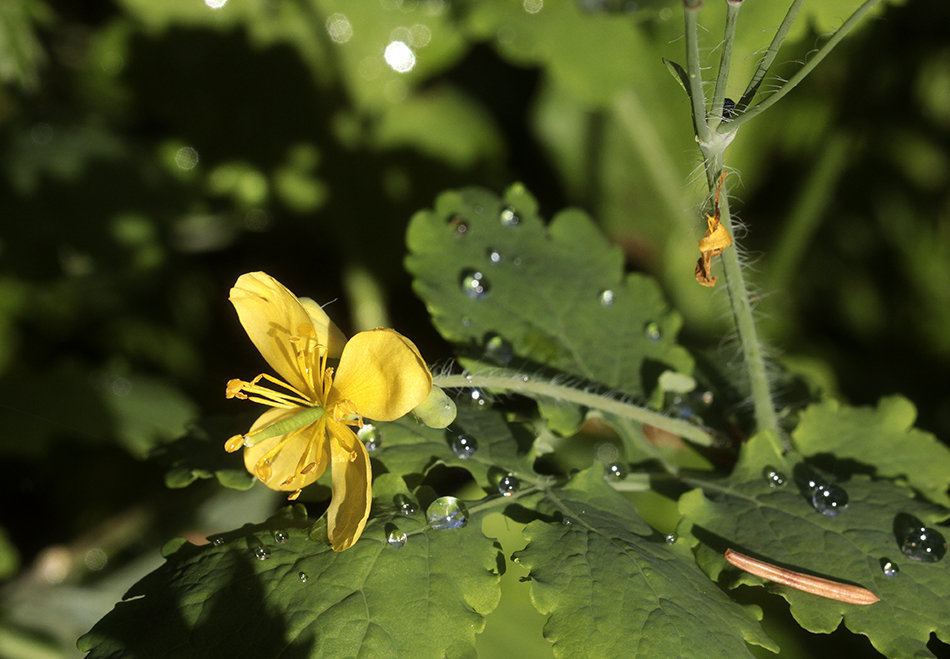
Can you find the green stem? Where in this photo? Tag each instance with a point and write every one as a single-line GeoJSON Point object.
{"type": "Point", "coordinates": [729, 37]}
{"type": "Point", "coordinates": [529, 387]}
{"type": "Point", "coordinates": [769, 57]}
{"type": "Point", "coordinates": [753, 357]}
{"type": "Point", "coordinates": [809, 66]}
{"type": "Point", "coordinates": [693, 71]}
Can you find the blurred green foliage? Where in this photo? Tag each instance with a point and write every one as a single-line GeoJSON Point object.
{"type": "Point", "coordinates": [153, 151]}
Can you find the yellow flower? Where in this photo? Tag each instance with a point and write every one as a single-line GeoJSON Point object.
{"type": "Point", "coordinates": [380, 376]}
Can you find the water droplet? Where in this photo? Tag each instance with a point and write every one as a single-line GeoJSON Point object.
{"type": "Point", "coordinates": [924, 544]}
{"type": "Point", "coordinates": [217, 541]}
{"type": "Point", "coordinates": [606, 298]}
{"type": "Point", "coordinates": [508, 485]}
{"type": "Point", "coordinates": [396, 538]}
{"type": "Point", "coordinates": [447, 513]}
{"type": "Point", "coordinates": [652, 331]}
{"type": "Point", "coordinates": [478, 397]}
{"type": "Point", "coordinates": [464, 447]}
{"type": "Point", "coordinates": [281, 536]}
{"type": "Point", "coordinates": [459, 225]}
{"type": "Point", "coordinates": [303, 577]}
{"type": "Point", "coordinates": [509, 217]}
{"type": "Point", "coordinates": [498, 350]}
{"type": "Point", "coordinates": [889, 568]}
{"type": "Point", "coordinates": [670, 538]}
{"type": "Point", "coordinates": [772, 477]}
{"type": "Point", "coordinates": [494, 256]}
{"type": "Point", "coordinates": [616, 471]}
{"type": "Point", "coordinates": [829, 499]}
{"type": "Point", "coordinates": [261, 553]}
{"type": "Point", "coordinates": [370, 436]}
{"type": "Point", "coordinates": [404, 504]}
{"type": "Point", "coordinates": [474, 284]}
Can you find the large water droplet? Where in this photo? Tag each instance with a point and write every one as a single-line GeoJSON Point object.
{"type": "Point", "coordinates": [281, 536]}
{"type": "Point", "coordinates": [404, 504]}
{"type": "Point", "coordinates": [494, 256]}
{"type": "Point", "coordinates": [773, 477]}
{"type": "Point", "coordinates": [396, 538]}
{"type": "Point", "coordinates": [829, 499]}
{"type": "Point", "coordinates": [447, 513]}
{"type": "Point", "coordinates": [463, 447]}
{"type": "Point", "coordinates": [652, 331]}
{"type": "Point", "coordinates": [303, 577]}
{"type": "Point", "coordinates": [889, 568]}
{"type": "Point", "coordinates": [509, 217]}
{"type": "Point", "coordinates": [459, 224]}
{"type": "Point", "coordinates": [606, 298]}
{"type": "Point", "coordinates": [508, 485]}
{"type": "Point", "coordinates": [924, 544]}
{"type": "Point", "coordinates": [616, 471]}
{"type": "Point", "coordinates": [261, 553]}
{"type": "Point", "coordinates": [498, 350]}
{"type": "Point", "coordinates": [370, 436]}
{"type": "Point", "coordinates": [474, 284]}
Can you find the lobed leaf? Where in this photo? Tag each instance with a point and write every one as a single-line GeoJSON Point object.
{"type": "Point", "coordinates": [779, 525]}
{"type": "Point", "coordinates": [611, 587]}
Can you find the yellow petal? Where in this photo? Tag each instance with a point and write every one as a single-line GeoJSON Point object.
{"type": "Point", "coordinates": [284, 464]}
{"type": "Point", "coordinates": [280, 326]}
{"type": "Point", "coordinates": [328, 334]}
{"type": "Point", "coordinates": [352, 489]}
{"type": "Point", "coordinates": [382, 373]}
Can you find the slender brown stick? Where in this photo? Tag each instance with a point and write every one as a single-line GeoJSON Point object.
{"type": "Point", "coordinates": [805, 582]}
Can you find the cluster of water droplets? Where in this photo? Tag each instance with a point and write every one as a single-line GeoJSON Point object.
{"type": "Point", "coordinates": [370, 436]}
{"type": "Point", "coordinates": [447, 513]}
{"type": "Point", "coordinates": [473, 281]}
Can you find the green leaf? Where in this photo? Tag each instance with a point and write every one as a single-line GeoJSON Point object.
{"type": "Point", "coordinates": [779, 525]}
{"type": "Point", "coordinates": [408, 448]}
{"type": "Point", "coordinates": [200, 454]}
{"type": "Point", "coordinates": [883, 438]}
{"type": "Point", "coordinates": [269, 590]}
{"type": "Point", "coordinates": [611, 587]}
{"type": "Point", "coordinates": [490, 271]}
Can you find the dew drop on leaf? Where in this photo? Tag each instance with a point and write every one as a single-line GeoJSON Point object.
{"type": "Point", "coordinates": [498, 350]}
{"type": "Point", "coordinates": [478, 397]}
{"type": "Point", "coordinates": [829, 499]}
{"type": "Point", "coordinates": [773, 477]}
{"type": "Point", "coordinates": [303, 577]}
{"type": "Point", "coordinates": [404, 504]}
{"type": "Point", "coordinates": [509, 217]}
{"type": "Point", "coordinates": [281, 536]}
{"type": "Point", "coordinates": [494, 256]}
{"type": "Point", "coordinates": [606, 298]}
{"type": "Point", "coordinates": [370, 436]}
{"type": "Point", "coordinates": [261, 553]}
{"type": "Point", "coordinates": [463, 447]}
{"type": "Point", "coordinates": [670, 538]}
{"type": "Point", "coordinates": [474, 284]}
{"type": "Point", "coordinates": [396, 538]}
{"type": "Point", "coordinates": [652, 331]}
{"type": "Point", "coordinates": [889, 568]}
{"type": "Point", "coordinates": [447, 513]}
{"type": "Point", "coordinates": [217, 541]}
{"type": "Point", "coordinates": [459, 225]}
{"type": "Point", "coordinates": [616, 471]}
{"type": "Point", "coordinates": [508, 485]}
{"type": "Point", "coordinates": [924, 544]}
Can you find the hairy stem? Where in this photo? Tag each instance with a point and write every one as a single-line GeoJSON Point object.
{"type": "Point", "coordinates": [809, 66]}
{"type": "Point", "coordinates": [769, 57]}
{"type": "Point", "coordinates": [530, 387]}
{"type": "Point", "coordinates": [693, 72]}
{"type": "Point", "coordinates": [729, 37]}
